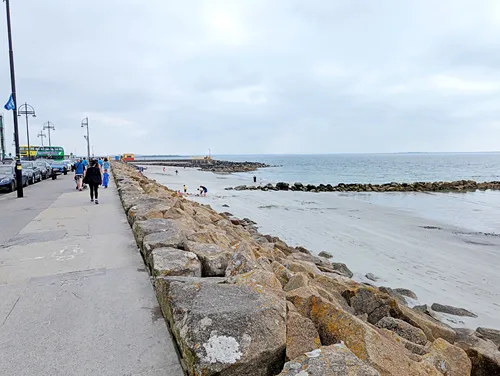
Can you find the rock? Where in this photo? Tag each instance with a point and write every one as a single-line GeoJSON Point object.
{"type": "Point", "coordinates": [303, 266]}
{"type": "Point", "coordinates": [240, 188]}
{"type": "Point", "coordinates": [367, 300]}
{"type": "Point", "coordinates": [406, 292]}
{"type": "Point", "coordinates": [483, 353]}
{"type": "Point", "coordinates": [225, 329]}
{"type": "Point", "coordinates": [214, 259]}
{"type": "Point", "coordinates": [342, 269]}
{"type": "Point", "coordinates": [175, 262]}
{"type": "Point", "coordinates": [403, 329]}
{"type": "Point", "coordinates": [282, 273]}
{"type": "Point", "coordinates": [303, 250]}
{"type": "Point", "coordinates": [448, 359]}
{"type": "Point", "coordinates": [171, 238]}
{"type": "Point", "coordinates": [491, 334]}
{"type": "Point", "coordinates": [150, 226]}
{"type": "Point", "coordinates": [400, 298]}
{"type": "Point", "coordinates": [225, 206]}
{"type": "Point", "coordinates": [334, 324]}
{"type": "Point", "coordinates": [257, 277]}
{"type": "Point", "coordinates": [452, 310]}
{"type": "Point", "coordinates": [298, 280]}
{"type": "Point", "coordinates": [301, 335]}
{"type": "Point", "coordinates": [431, 327]}
{"type": "Point", "coordinates": [325, 254]}
{"type": "Point", "coordinates": [335, 360]}
{"type": "Point", "coordinates": [372, 277]}
{"type": "Point", "coordinates": [242, 261]}
{"type": "Point", "coordinates": [485, 361]}
{"type": "Point", "coordinates": [282, 186]}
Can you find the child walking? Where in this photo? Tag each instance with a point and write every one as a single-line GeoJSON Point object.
{"type": "Point", "coordinates": [94, 180]}
{"type": "Point", "coordinates": [105, 179]}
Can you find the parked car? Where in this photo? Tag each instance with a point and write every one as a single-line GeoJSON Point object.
{"type": "Point", "coordinates": [45, 168]}
{"type": "Point", "coordinates": [8, 178]}
{"type": "Point", "coordinates": [33, 172]}
{"type": "Point", "coordinates": [58, 168]}
{"type": "Point", "coordinates": [69, 164]}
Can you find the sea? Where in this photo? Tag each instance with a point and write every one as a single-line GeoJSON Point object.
{"type": "Point", "coordinates": [475, 211]}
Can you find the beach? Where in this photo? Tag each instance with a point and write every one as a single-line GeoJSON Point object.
{"type": "Point", "coordinates": [443, 258]}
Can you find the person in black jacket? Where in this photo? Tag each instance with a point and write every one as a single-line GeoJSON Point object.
{"type": "Point", "coordinates": [94, 179]}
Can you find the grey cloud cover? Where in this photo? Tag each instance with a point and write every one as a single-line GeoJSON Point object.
{"type": "Point", "coordinates": [255, 76]}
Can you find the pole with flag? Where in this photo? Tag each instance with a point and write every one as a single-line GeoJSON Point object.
{"type": "Point", "coordinates": [11, 105]}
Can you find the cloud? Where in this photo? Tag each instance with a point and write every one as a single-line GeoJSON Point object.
{"type": "Point", "coordinates": [253, 76]}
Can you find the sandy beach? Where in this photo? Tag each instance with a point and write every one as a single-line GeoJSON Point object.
{"type": "Point", "coordinates": [440, 262]}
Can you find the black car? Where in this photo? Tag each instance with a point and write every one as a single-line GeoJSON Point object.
{"type": "Point", "coordinates": [45, 168]}
{"type": "Point", "coordinates": [8, 178]}
{"type": "Point", "coordinates": [33, 172]}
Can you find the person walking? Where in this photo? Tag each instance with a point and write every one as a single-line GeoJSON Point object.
{"type": "Point", "coordinates": [94, 179]}
{"type": "Point", "coordinates": [79, 173]}
{"type": "Point", "coordinates": [105, 179]}
{"type": "Point", "coordinates": [185, 188]}
{"type": "Point", "coordinates": [100, 164]}
{"type": "Point", "coordinates": [105, 165]}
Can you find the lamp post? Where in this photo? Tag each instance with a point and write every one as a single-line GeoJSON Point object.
{"type": "Point", "coordinates": [27, 110]}
{"type": "Point", "coordinates": [85, 123]}
{"type": "Point", "coordinates": [41, 135]}
{"type": "Point", "coordinates": [19, 172]}
{"type": "Point", "coordinates": [48, 125]}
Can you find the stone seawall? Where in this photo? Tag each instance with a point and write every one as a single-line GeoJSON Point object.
{"type": "Point", "coordinates": [451, 186]}
{"type": "Point", "coordinates": [240, 303]}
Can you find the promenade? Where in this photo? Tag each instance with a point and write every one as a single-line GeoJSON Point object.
{"type": "Point", "coordinates": [75, 298]}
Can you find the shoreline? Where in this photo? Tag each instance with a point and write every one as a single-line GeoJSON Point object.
{"type": "Point", "coordinates": [282, 253]}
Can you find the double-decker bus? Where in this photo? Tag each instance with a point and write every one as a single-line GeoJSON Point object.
{"type": "Point", "coordinates": [49, 152]}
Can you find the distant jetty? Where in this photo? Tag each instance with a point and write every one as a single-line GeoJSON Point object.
{"type": "Point", "coordinates": [205, 164]}
{"type": "Point", "coordinates": [453, 186]}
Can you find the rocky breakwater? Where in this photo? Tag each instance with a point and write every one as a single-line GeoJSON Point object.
{"type": "Point", "coordinates": [214, 165]}
{"type": "Point", "coordinates": [453, 186]}
{"type": "Point", "coordinates": [246, 304]}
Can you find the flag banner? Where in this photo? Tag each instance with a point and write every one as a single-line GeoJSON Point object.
{"type": "Point", "coordinates": [10, 105]}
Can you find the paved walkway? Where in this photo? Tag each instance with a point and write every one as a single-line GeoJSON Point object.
{"type": "Point", "coordinates": [75, 298]}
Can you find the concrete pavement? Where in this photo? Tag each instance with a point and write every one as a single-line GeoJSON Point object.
{"type": "Point", "coordinates": [75, 298]}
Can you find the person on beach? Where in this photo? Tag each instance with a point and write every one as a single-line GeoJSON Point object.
{"type": "Point", "coordinates": [203, 191]}
{"type": "Point", "coordinates": [254, 179]}
{"type": "Point", "coordinates": [176, 172]}
{"type": "Point", "coordinates": [105, 179]}
{"type": "Point", "coordinates": [163, 169]}
{"type": "Point", "coordinates": [94, 180]}
{"type": "Point", "coordinates": [79, 172]}
{"type": "Point", "coordinates": [185, 188]}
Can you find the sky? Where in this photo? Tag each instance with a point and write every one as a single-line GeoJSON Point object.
{"type": "Point", "coordinates": [257, 77]}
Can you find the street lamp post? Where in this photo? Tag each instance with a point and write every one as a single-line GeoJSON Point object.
{"type": "Point", "coordinates": [27, 110]}
{"type": "Point", "coordinates": [19, 172]}
{"type": "Point", "coordinates": [48, 125]}
{"type": "Point", "coordinates": [85, 123]}
{"type": "Point", "coordinates": [41, 135]}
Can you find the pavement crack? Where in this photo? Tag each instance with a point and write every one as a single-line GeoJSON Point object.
{"type": "Point", "coordinates": [12, 309]}
{"type": "Point", "coordinates": [77, 296]}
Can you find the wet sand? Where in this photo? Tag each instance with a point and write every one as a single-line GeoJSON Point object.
{"type": "Point", "coordinates": [440, 262]}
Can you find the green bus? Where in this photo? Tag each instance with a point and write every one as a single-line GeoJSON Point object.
{"type": "Point", "coordinates": [49, 152]}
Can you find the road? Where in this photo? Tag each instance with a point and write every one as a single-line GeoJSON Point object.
{"type": "Point", "coordinates": [75, 298]}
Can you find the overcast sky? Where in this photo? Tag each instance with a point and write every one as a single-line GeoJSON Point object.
{"type": "Point", "coordinates": [255, 76]}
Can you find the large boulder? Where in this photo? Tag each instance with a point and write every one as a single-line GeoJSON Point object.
{"type": "Point", "coordinates": [482, 352]}
{"type": "Point", "coordinates": [342, 269]}
{"type": "Point", "coordinates": [452, 310]}
{"type": "Point", "coordinates": [403, 329]}
{"type": "Point", "coordinates": [334, 360]}
{"type": "Point", "coordinates": [371, 302]}
{"type": "Point", "coordinates": [147, 209]}
{"type": "Point", "coordinates": [150, 226]}
{"type": "Point", "coordinates": [242, 260]}
{"type": "Point", "coordinates": [301, 335]}
{"type": "Point", "coordinates": [334, 324]}
{"type": "Point", "coordinates": [174, 262]}
{"type": "Point", "coordinates": [448, 359]}
{"type": "Point", "coordinates": [491, 334]}
{"type": "Point", "coordinates": [432, 328]}
{"type": "Point", "coordinates": [173, 237]}
{"type": "Point", "coordinates": [225, 329]}
{"type": "Point", "coordinates": [298, 280]}
{"type": "Point", "coordinates": [214, 259]}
